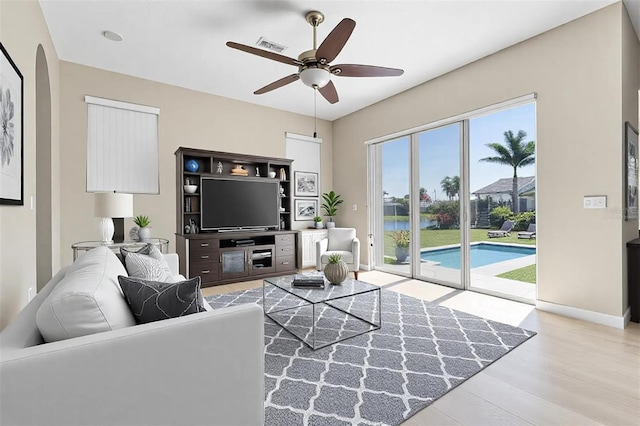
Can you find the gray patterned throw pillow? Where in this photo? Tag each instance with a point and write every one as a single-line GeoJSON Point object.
{"type": "Point", "coordinates": [154, 301]}
{"type": "Point", "coordinates": [149, 267]}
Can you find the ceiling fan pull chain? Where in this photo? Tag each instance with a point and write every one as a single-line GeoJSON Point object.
{"type": "Point", "coordinates": [315, 113]}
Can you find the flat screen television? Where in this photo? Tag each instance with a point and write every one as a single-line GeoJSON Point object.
{"type": "Point", "coordinates": [230, 203]}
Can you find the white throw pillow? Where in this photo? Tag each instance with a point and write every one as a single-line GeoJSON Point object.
{"type": "Point", "coordinates": [152, 267]}
{"type": "Point", "coordinates": [88, 300]}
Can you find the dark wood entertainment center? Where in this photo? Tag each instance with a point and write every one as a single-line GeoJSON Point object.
{"type": "Point", "coordinates": [240, 255]}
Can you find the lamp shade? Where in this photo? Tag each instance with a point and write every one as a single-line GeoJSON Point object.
{"type": "Point", "coordinates": [113, 204]}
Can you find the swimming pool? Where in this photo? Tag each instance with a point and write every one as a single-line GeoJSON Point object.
{"type": "Point", "coordinates": [481, 254]}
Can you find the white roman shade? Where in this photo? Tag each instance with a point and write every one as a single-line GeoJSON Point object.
{"type": "Point", "coordinates": [122, 147]}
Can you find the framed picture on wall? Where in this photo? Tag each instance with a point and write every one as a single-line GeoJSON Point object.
{"type": "Point", "coordinates": [306, 209]}
{"type": "Point", "coordinates": [306, 184]}
{"type": "Point", "coordinates": [11, 132]}
{"type": "Point", "coordinates": [631, 184]}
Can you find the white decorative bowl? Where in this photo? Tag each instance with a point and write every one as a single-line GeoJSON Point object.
{"type": "Point", "coordinates": [190, 189]}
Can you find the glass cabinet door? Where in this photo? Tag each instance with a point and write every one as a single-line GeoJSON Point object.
{"type": "Point", "coordinates": [233, 263]}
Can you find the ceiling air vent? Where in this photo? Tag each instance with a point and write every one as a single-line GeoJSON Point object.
{"type": "Point", "coordinates": [269, 45]}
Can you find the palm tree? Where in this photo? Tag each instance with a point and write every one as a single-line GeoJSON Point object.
{"type": "Point", "coordinates": [446, 185]}
{"type": "Point", "coordinates": [455, 186]}
{"type": "Point", "coordinates": [451, 186]}
{"type": "Point", "coordinates": [514, 153]}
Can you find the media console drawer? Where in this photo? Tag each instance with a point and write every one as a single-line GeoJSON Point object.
{"type": "Point", "coordinates": [204, 250]}
{"type": "Point", "coordinates": [285, 240]}
{"type": "Point", "coordinates": [208, 271]}
{"type": "Point", "coordinates": [285, 263]}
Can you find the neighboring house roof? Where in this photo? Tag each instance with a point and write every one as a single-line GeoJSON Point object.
{"type": "Point", "coordinates": [505, 185]}
{"type": "Point", "coordinates": [528, 189]}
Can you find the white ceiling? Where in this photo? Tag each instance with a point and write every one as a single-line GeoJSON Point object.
{"type": "Point", "coordinates": [183, 42]}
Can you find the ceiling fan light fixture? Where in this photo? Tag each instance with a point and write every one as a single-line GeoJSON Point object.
{"type": "Point", "coordinates": [315, 77]}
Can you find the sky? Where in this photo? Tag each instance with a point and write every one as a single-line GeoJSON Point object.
{"type": "Point", "coordinates": [440, 153]}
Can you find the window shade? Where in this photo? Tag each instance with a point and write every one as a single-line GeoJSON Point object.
{"type": "Point", "coordinates": [122, 147]}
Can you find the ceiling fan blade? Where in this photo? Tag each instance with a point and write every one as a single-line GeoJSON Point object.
{"type": "Point", "coordinates": [335, 41]}
{"type": "Point", "coordinates": [278, 83]}
{"type": "Point", "coordinates": [265, 54]}
{"type": "Point", "coordinates": [329, 92]}
{"type": "Point", "coordinates": [355, 70]}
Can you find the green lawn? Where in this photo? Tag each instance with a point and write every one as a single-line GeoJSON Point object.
{"type": "Point", "coordinates": [526, 274]}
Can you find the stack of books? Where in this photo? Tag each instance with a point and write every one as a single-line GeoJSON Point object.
{"type": "Point", "coordinates": [313, 281]}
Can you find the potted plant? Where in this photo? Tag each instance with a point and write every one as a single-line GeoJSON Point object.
{"type": "Point", "coordinates": [144, 233]}
{"type": "Point", "coordinates": [318, 221]}
{"type": "Point", "coordinates": [330, 206]}
{"type": "Point", "coordinates": [336, 270]}
{"type": "Point", "coordinates": [402, 240]}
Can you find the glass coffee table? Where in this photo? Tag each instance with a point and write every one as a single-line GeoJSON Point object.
{"type": "Point", "coordinates": [320, 317]}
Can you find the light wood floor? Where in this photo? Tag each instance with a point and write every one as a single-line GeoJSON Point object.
{"type": "Point", "coordinates": [572, 373]}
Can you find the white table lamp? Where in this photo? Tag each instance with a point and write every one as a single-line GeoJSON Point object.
{"type": "Point", "coordinates": [109, 205]}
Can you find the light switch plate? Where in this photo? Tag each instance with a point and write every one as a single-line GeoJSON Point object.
{"type": "Point", "coordinates": [595, 202]}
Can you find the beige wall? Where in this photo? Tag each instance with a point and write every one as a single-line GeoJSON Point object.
{"type": "Point", "coordinates": [576, 71]}
{"type": "Point", "coordinates": [22, 29]}
{"type": "Point", "coordinates": [187, 118]}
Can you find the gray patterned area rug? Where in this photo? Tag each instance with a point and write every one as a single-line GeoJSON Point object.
{"type": "Point", "coordinates": [385, 376]}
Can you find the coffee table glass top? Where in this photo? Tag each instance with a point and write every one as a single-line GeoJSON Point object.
{"type": "Point", "coordinates": [349, 287]}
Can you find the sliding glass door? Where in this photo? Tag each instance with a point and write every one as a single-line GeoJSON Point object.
{"type": "Point", "coordinates": [438, 168]}
{"type": "Point", "coordinates": [393, 206]}
{"type": "Point", "coordinates": [502, 182]}
{"type": "Point", "coordinates": [447, 208]}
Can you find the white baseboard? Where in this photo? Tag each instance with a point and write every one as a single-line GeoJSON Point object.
{"type": "Point", "coordinates": [583, 314]}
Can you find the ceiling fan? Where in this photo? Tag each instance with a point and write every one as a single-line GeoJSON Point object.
{"type": "Point", "coordinates": [313, 65]}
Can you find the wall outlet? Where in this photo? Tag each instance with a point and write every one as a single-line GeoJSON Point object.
{"type": "Point", "coordinates": [595, 202]}
{"type": "Point", "coordinates": [355, 207]}
{"type": "Point", "coordinates": [31, 294]}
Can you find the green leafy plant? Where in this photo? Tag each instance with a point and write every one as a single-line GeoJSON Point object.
{"type": "Point", "coordinates": [335, 258]}
{"type": "Point", "coordinates": [523, 220]}
{"type": "Point", "coordinates": [498, 215]}
{"type": "Point", "coordinates": [317, 219]}
{"type": "Point", "coordinates": [142, 221]}
{"type": "Point", "coordinates": [331, 203]}
{"type": "Point", "coordinates": [401, 238]}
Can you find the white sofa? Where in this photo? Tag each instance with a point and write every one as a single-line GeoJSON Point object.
{"type": "Point", "coordinates": [200, 369]}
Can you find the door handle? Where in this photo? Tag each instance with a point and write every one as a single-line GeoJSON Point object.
{"type": "Point", "coordinates": [206, 271]}
{"type": "Point", "coordinates": [204, 257]}
{"type": "Point", "coordinates": [204, 244]}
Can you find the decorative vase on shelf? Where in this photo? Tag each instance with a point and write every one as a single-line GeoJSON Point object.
{"type": "Point", "coordinates": [272, 174]}
{"type": "Point", "coordinates": [191, 166]}
{"type": "Point", "coordinates": [133, 234]}
{"type": "Point", "coordinates": [144, 234]}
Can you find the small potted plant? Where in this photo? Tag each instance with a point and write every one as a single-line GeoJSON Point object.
{"type": "Point", "coordinates": [402, 239]}
{"type": "Point", "coordinates": [144, 233]}
{"type": "Point", "coordinates": [318, 221]}
{"type": "Point", "coordinates": [330, 206]}
{"type": "Point", "coordinates": [336, 270]}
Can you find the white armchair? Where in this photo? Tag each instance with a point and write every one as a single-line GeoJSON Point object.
{"type": "Point", "coordinates": [342, 241]}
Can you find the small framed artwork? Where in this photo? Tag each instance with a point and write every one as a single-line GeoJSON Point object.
{"type": "Point", "coordinates": [306, 184]}
{"type": "Point", "coordinates": [631, 184]}
{"type": "Point", "coordinates": [11, 131]}
{"type": "Point", "coordinates": [306, 209]}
